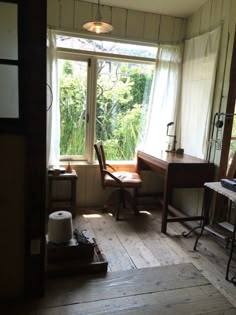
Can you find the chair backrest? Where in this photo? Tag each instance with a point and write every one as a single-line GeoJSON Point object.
{"type": "Point", "coordinates": [101, 158]}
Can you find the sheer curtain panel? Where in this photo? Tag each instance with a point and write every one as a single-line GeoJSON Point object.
{"type": "Point", "coordinates": [198, 80]}
{"type": "Point", "coordinates": [53, 112]}
{"type": "Point", "coordinates": [164, 100]}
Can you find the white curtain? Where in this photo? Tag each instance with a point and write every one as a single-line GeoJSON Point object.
{"type": "Point", "coordinates": [164, 99]}
{"type": "Point", "coordinates": [53, 113]}
{"type": "Point", "coordinates": [198, 80]}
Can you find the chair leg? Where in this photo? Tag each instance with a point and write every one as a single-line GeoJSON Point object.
{"type": "Point", "coordinates": [121, 200]}
{"type": "Point", "coordinates": [134, 201]}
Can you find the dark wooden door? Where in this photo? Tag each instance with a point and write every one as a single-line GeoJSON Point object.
{"type": "Point", "coordinates": [32, 88]}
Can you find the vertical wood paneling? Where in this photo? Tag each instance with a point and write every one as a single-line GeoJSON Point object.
{"type": "Point", "coordinates": [80, 188]}
{"type": "Point", "coordinates": [195, 25]}
{"type": "Point", "coordinates": [189, 27]}
{"type": "Point", "coordinates": [83, 14]}
{"type": "Point", "coordinates": [232, 22]}
{"type": "Point", "coordinates": [225, 14]}
{"type": "Point", "coordinates": [106, 13]}
{"type": "Point", "coordinates": [151, 26]}
{"type": "Point", "coordinates": [119, 18]}
{"type": "Point", "coordinates": [216, 11]}
{"type": "Point", "coordinates": [53, 12]}
{"type": "Point", "coordinates": [205, 17]}
{"type": "Point", "coordinates": [166, 29]}
{"type": "Point", "coordinates": [184, 29]}
{"type": "Point", "coordinates": [179, 30]}
{"type": "Point", "coordinates": [94, 192]}
{"type": "Point", "coordinates": [67, 13]}
{"type": "Point", "coordinates": [135, 24]}
{"type": "Point", "coordinates": [128, 24]}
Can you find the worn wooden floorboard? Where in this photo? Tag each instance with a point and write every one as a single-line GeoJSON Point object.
{"type": "Point", "coordinates": [195, 300]}
{"type": "Point", "coordinates": [211, 256]}
{"type": "Point", "coordinates": [138, 251]}
{"type": "Point", "coordinates": [82, 289]}
{"type": "Point", "coordinates": [185, 283]}
{"type": "Point", "coordinates": [110, 245]}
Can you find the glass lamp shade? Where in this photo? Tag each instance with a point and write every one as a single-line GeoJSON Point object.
{"type": "Point", "coordinates": [98, 27]}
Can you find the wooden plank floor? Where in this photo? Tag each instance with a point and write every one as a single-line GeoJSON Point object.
{"type": "Point", "coordinates": [176, 289]}
{"type": "Point", "coordinates": [137, 242]}
{"type": "Point", "coordinates": [149, 272]}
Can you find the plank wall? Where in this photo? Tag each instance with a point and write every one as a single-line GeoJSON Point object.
{"type": "Point", "coordinates": [89, 191]}
{"type": "Point", "coordinates": [69, 15]}
{"type": "Point", "coordinates": [207, 18]}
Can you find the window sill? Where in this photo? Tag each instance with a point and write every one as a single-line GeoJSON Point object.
{"type": "Point", "coordinates": [95, 164]}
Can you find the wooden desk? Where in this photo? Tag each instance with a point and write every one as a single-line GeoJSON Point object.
{"type": "Point", "coordinates": [179, 171]}
{"type": "Point", "coordinates": [53, 202]}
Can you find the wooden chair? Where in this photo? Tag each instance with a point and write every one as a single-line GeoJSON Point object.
{"type": "Point", "coordinates": [120, 180]}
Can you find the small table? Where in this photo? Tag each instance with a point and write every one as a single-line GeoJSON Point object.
{"type": "Point", "coordinates": [71, 201]}
{"type": "Point", "coordinates": [231, 195]}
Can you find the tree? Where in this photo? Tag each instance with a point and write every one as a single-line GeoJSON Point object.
{"type": "Point", "coordinates": [123, 91]}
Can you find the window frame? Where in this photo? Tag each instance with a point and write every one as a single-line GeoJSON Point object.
{"type": "Point", "coordinates": [92, 57]}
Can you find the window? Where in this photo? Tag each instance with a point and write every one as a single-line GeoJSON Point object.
{"type": "Point", "coordinates": [73, 103]}
{"type": "Point", "coordinates": [104, 89]}
{"type": "Point", "coordinates": [123, 90]}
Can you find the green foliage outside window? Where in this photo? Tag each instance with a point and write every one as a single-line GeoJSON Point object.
{"type": "Point", "coordinates": [122, 97]}
{"type": "Point", "coordinates": [72, 105]}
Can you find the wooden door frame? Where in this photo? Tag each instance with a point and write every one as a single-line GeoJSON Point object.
{"type": "Point", "coordinates": [228, 122]}
{"type": "Point", "coordinates": [32, 88]}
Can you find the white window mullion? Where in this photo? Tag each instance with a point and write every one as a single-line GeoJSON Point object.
{"type": "Point", "coordinates": [91, 109]}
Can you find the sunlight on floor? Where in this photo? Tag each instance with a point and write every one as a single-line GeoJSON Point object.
{"type": "Point", "coordinates": [145, 212]}
{"type": "Point", "coordinates": [92, 216]}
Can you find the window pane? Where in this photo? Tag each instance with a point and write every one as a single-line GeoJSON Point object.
{"type": "Point", "coordinates": [73, 102]}
{"type": "Point", "coordinates": [8, 31]}
{"type": "Point", "coordinates": [123, 91]}
{"type": "Point", "coordinates": [106, 46]}
{"type": "Point", "coordinates": [9, 107]}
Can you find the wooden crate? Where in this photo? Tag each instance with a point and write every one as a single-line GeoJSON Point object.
{"type": "Point", "coordinates": [98, 263]}
{"type": "Point", "coordinates": [69, 251]}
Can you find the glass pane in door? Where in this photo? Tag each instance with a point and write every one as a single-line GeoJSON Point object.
{"type": "Point", "coordinates": [8, 31]}
{"type": "Point", "coordinates": [9, 107]}
{"type": "Point", "coordinates": [73, 104]}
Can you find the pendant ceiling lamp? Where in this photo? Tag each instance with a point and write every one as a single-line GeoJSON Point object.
{"type": "Point", "coordinates": [98, 26]}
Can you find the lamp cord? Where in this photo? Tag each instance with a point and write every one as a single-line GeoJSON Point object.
{"type": "Point", "coordinates": [50, 89]}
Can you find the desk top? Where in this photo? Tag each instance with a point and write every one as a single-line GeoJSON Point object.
{"type": "Point", "coordinates": [216, 186]}
{"type": "Point", "coordinates": [170, 157]}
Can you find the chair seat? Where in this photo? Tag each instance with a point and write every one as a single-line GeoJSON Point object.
{"type": "Point", "coordinates": [129, 179]}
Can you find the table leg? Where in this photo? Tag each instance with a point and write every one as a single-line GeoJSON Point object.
{"type": "Point", "coordinates": [73, 197]}
{"type": "Point", "coordinates": [166, 199]}
{"type": "Point", "coordinates": [205, 212]}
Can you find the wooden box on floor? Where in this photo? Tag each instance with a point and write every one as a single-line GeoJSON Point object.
{"type": "Point", "coordinates": [73, 258]}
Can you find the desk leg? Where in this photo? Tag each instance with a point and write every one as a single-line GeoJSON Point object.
{"type": "Point", "coordinates": [166, 199]}
{"type": "Point", "coordinates": [205, 211]}
{"type": "Point", "coordinates": [73, 197]}
{"type": "Point", "coordinates": [49, 197]}
{"type": "Point", "coordinates": [231, 255]}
